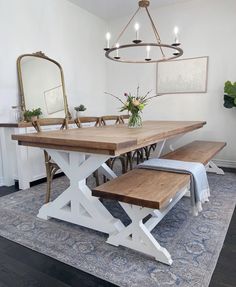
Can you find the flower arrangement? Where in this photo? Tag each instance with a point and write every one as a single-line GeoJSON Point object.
{"type": "Point", "coordinates": [134, 105]}
{"type": "Point", "coordinates": [230, 95]}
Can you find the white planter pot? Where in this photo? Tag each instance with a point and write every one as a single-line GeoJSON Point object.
{"type": "Point", "coordinates": [79, 114]}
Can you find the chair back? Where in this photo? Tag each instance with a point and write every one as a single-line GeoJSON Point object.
{"type": "Point", "coordinates": [123, 118]}
{"type": "Point", "coordinates": [84, 120]}
{"type": "Point", "coordinates": [50, 121]}
{"type": "Point", "coordinates": [112, 118]}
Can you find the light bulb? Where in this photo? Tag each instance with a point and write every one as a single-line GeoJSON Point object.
{"type": "Point", "coordinates": [117, 51]}
{"type": "Point", "coordinates": [108, 36]}
{"type": "Point", "coordinates": [136, 26]}
{"type": "Point", "coordinates": [148, 49]}
{"type": "Point", "coordinates": [176, 33]}
{"type": "Point", "coordinates": [176, 30]}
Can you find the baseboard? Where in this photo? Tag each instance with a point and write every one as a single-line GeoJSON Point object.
{"type": "Point", "coordinates": [225, 163]}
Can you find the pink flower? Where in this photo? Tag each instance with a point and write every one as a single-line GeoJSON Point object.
{"type": "Point", "coordinates": [125, 94]}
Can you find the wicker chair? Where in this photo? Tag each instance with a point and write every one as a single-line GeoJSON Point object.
{"type": "Point", "coordinates": [88, 120]}
{"type": "Point", "coordinates": [51, 166]}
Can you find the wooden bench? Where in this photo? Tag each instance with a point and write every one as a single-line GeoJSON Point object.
{"type": "Point", "coordinates": [143, 192]}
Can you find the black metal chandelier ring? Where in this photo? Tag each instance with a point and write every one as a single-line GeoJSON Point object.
{"type": "Point", "coordinates": [178, 52]}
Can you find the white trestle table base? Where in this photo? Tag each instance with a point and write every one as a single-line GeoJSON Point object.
{"type": "Point", "coordinates": [80, 152]}
{"type": "Point", "coordinates": [77, 205]}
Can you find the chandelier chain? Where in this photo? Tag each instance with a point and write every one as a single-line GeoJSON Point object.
{"type": "Point", "coordinates": [157, 35]}
{"type": "Point", "coordinates": [122, 32]}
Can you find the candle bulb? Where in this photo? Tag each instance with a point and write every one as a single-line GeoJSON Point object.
{"type": "Point", "coordinates": [137, 27]}
{"type": "Point", "coordinates": [108, 37]}
{"type": "Point", "coordinates": [117, 51]}
{"type": "Point", "coordinates": [148, 49]}
{"type": "Point", "coordinates": [176, 32]}
{"type": "Point", "coordinates": [148, 52]}
{"type": "Point", "coordinates": [176, 36]}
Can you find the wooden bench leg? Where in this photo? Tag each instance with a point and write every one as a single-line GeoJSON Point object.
{"type": "Point", "coordinates": [137, 236]}
{"type": "Point", "coordinates": [212, 167]}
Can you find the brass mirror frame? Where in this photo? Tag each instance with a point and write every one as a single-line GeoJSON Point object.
{"type": "Point", "coordinates": [41, 55]}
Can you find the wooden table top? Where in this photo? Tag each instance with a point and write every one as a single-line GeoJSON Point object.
{"type": "Point", "coordinates": [111, 140]}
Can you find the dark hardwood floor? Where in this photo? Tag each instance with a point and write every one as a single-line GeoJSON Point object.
{"type": "Point", "coordinates": [225, 272]}
{"type": "Point", "coordinates": [23, 267]}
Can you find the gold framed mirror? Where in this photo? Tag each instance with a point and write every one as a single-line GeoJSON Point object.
{"type": "Point", "coordinates": [42, 85]}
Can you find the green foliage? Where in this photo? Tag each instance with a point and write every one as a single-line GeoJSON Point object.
{"type": "Point", "coordinates": [80, 108]}
{"type": "Point", "coordinates": [230, 95]}
{"type": "Point", "coordinates": [31, 113]}
{"type": "Point", "coordinates": [134, 104]}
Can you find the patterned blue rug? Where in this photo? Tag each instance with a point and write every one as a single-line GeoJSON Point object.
{"type": "Point", "coordinates": [193, 242]}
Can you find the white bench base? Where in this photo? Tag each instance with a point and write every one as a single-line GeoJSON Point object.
{"type": "Point", "coordinates": [137, 235]}
{"type": "Point", "coordinates": [213, 168]}
{"type": "Point", "coordinates": [77, 205]}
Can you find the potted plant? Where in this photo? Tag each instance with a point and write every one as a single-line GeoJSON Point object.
{"type": "Point", "coordinates": [32, 115]}
{"type": "Point", "coordinates": [79, 110]}
{"type": "Point", "coordinates": [230, 95]}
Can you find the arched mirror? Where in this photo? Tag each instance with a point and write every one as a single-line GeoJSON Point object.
{"type": "Point", "coordinates": [41, 84]}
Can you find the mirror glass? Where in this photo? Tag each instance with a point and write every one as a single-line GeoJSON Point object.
{"type": "Point", "coordinates": [42, 86]}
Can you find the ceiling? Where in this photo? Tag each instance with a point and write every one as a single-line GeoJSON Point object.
{"type": "Point", "coordinates": [111, 9]}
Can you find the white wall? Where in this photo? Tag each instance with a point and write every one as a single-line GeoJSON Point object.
{"type": "Point", "coordinates": [64, 32]}
{"type": "Point", "coordinates": [208, 28]}
{"type": "Point", "coordinates": [75, 39]}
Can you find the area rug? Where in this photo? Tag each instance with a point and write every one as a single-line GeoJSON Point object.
{"type": "Point", "coordinates": [193, 242]}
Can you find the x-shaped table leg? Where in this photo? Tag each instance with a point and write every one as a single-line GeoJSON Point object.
{"type": "Point", "coordinates": [76, 204]}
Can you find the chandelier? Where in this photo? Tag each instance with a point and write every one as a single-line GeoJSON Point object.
{"type": "Point", "coordinates": [155, 51]}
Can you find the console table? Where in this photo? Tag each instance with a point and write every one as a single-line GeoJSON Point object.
{"type": "Point", "coordinates": [20, 162]}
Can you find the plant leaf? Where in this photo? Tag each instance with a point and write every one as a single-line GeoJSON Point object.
{"type": "Point", "coordinates": [230, 89]}
{"type": "Point", "coordinates": [228, 102]}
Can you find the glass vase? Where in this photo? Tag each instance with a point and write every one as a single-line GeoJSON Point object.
{"type": "Point", "coordinates": [135, 120]}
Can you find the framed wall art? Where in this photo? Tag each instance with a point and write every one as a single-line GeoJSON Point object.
{"type": "Point", "coordinates": [182, 76]}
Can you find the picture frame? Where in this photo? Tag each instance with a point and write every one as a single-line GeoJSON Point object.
{"type": "Point", "coordinates": [54, 100]}
{"type": "Point", "coordinates": [182, 76]}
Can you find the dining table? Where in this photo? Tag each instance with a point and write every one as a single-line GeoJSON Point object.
{"type": "Point", "coordinates": [80, 152]}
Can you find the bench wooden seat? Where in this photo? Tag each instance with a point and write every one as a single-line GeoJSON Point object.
{"type": "Point", "coordinates": [154, 189]}
{"type": "Point", "coordinates": [143, 192]}
{"type": "Point", "coordinates": [143, 187]}
{"type": "Point", "coordinates": [197, 151]}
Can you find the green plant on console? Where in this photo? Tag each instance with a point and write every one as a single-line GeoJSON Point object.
{"type": "Point", "coordinates": [230, 95]}
{"type": "Point", "coordinates": [28, 114]}
{"type": "Point", "coordinates": [80, 108]}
